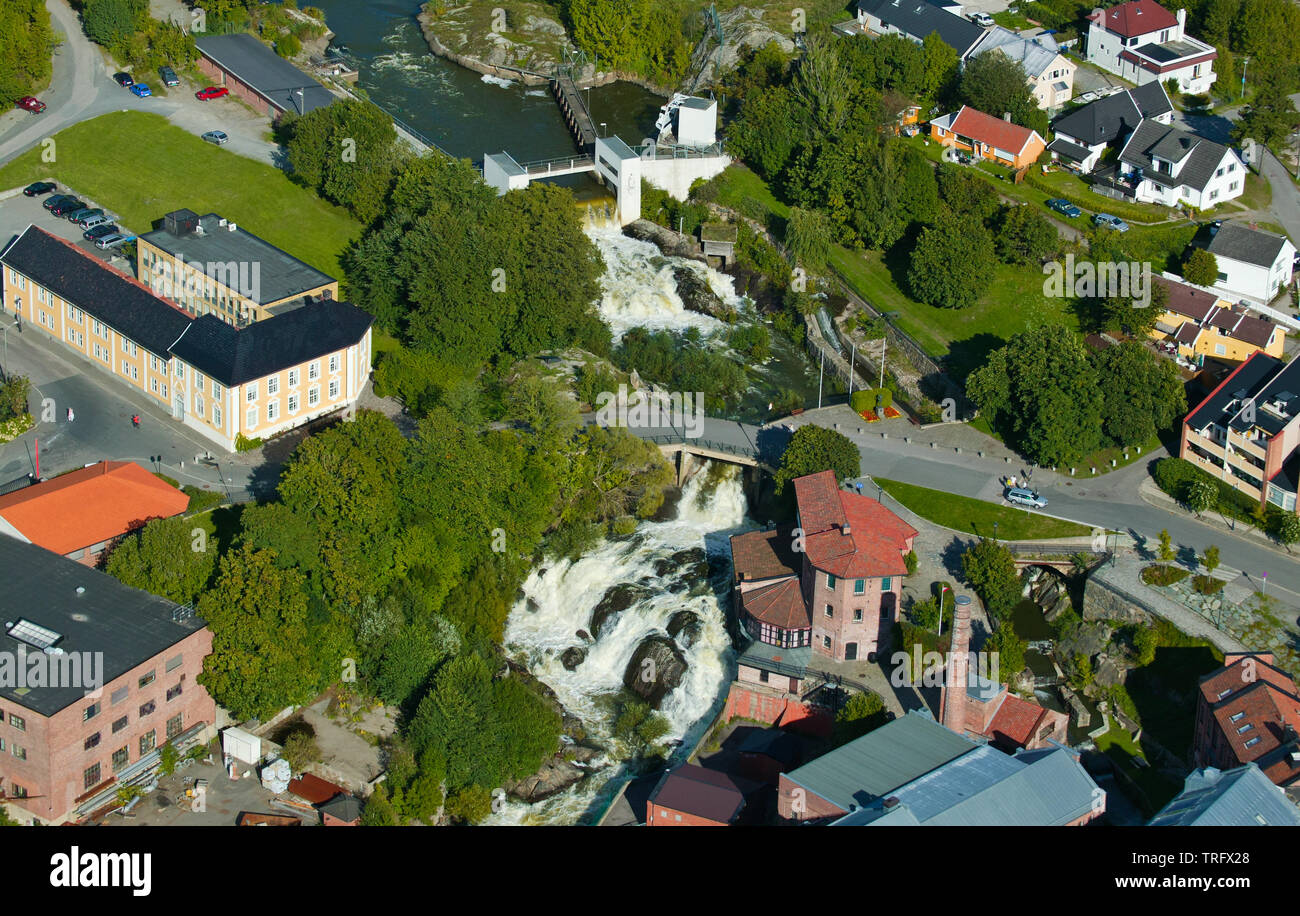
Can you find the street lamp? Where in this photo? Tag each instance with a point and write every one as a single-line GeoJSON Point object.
{"type": "Point", "coordinates": [1244, 62]}
{"type": "Point", "coordinates": [6, 339]}
{"type": "Point", "coordinates": [995, 531]}
{"type": "Point", "coordinates": [604, 129]}
{"type": "Point", "coordinates": [942, 589]}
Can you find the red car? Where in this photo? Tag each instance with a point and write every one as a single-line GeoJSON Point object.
{"type": "Point", "coordinates": [212, 92]}
{"type": "Point", "coordinates": [34, 105]}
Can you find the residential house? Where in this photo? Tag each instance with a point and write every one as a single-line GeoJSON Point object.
{"type": "Point", "coordinates": [1083, 135]}
{"type": "Point", "coordinates": [341, 811]}
{"type": "Point", "coordinates": [258, 76]}
{"type": "Point", "coordinates": [1050, 73]}
{"type": "Point", "coordinates": [66, 747]}
{"type": "Point", "coordinates": [995, 139]}
{"type": "Point", "coordinates": [1247, 432]}
{"type": "Point", "coordinates": [1249, 712]}
{"type": "Point", "coordinates": [692, 796]}
{"type": "Point", "coordinates": [913, 771]}
{"type": "Point", "coordinates": [917, 19]}
{"type": "Point", "coordinates": [1143, 42]}
{"type": "Point", "coordinates": [208, 265]}
{"type": "Point", "coordinates": [1242, 797]}
{"type": "Point", "coordinates": [1200, 325]}
{"type": "Point", "coordinates": [258, 381]}
{"type": "Point", "coordinates": [79, 514]}
{"type": "Point", "coordinates": [982, 708]}
{"type": "Point", "coordinates": [1252, 263]}
{"type": "Point", "coordinates": [1167, 165]}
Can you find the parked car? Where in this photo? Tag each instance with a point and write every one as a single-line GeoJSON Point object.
{"type": "Point", "coordinates": [52, 202]}
{"type": "Point", "coordinates": [76, 216]}
{"type": "Point", "coordinates": [219, 137]}
{"type": "Point", "coordinates": [39, 188]}
{"type": "Point", "coordinates": [1022, 496]}
{"type": "Point", "coordinates": [141, 90]}
{"type": "Point", "coordinates": [32, 104]}
{"type": "Point", "coordinates": [112, 240]}
{"type": "Point", "coordinates": [1064, 207]}
{"type": "Point", "coordinates": [68, 206]}
{"type": "Point", "coordinates": [124, 79]}
{"type": "Point", "coordinates": [169, 76]}
{"type": "Point", "coordinates": [211, 92]}
{"type": "Point", "coordinates": [1110, 222]}
{"type": "Point", "coordinates": [982, 19]}
{"type": "Point", "coordinates": [98, 232]}
{"type": "Point", "coordinates": [91, 222]}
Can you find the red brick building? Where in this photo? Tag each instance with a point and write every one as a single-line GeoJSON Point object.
{"type": "Point", "coordinates": [691, 796]}
{"type": "Point", "coordinates": [1249, 711]}
{"type": "Point", "coordinates": [119, 681]}
{"type": "Point", "coordinates": [258, 76]}
{"type": "Point", "coordinates": [80, 513]}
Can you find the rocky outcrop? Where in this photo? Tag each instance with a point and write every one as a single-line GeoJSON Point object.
{"type": "Point", "coordinates": [572, 657]}
{"type": "Point", "coordinates": [1110, 670]}
{"type": "Point", "coordinates": [1088, 640]}
{"type": "Point", "coordinates": [684, 626]}
{"type": "Point", "coordinates": [655, 669]}
{"type": "Point", "coordinates": [698, 296]}
{"type": "Point", "coordinates": [616, 600]}
{"type": "Point", "coordinates": [570, 766]}
{"type": "Point", "coordinates": [742, 28]}
{"type": "Point", "coordinates": [1048, 591]}
{"type": "Point", "coordinates": [666, 240]}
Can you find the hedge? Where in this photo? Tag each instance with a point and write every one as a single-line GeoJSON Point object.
{"type": "Point", "coordinates": [865, 399]}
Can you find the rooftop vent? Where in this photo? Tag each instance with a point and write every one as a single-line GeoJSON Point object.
{"type": "Point", "coordinates": [231, 227]}
{"type": "Point", "coordinates": [891, 802]}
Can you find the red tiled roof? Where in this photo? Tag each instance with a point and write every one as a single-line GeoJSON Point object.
{"type": "Point", "coordinates": [874, 542]}
{"type": "Point", "coordinates": [780, 605]}
{"type": "Point", "coordinates": [1137, 17]}
{"type": "Point", "coordinates": [705, 793]}
{"type": "Point", "coordinates": [91, 505]}
{"type": "Point", "coordinates": [1004, 135]}
{"type": "Point", "coordinates": [1016, 720]}
{"type": "Point", "coordinates": [763, 554]}
{"type": "Point", "coordinates": [1266, 700]}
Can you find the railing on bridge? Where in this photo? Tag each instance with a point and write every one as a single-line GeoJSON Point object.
{"type": "Point", "coordinates": [817, 678]}
{"type": "Point", "coordinates": [558, 164]}
{"type": "Point", "coordinates": [712, 445]}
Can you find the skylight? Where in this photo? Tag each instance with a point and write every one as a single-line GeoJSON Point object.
{"type": "Point", "coordinates": [34, 634]}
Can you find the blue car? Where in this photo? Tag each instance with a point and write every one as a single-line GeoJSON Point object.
{"type": "Point", "coordinates": [1064, 207]}
{"type": "Point", "coordinates": [141, 90]}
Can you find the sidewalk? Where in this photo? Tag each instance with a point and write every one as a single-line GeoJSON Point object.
{"type": "Point", "coordinates": [1152, 495]}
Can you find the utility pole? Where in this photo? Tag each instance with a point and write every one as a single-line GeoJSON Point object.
{"type": "Point", "coordinates": [853, 353]}
{"type": "Point", "coordinates": [884, 345]}
{"type": "Point", "coordinates": [821, 369]}
{"type": "Point", "coordinates": [1244, 62]}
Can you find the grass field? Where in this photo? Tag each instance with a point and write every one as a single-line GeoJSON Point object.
{"type": "Point", "coordinates": [975, 516]}
{"type": "Point", "coordinates": [141, 167]}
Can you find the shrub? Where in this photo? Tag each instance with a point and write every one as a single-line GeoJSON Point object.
{"type": "Point", "coordinates": [1163, 575]}
{"type": "Point", "coordinates": [865, 399]}
{"type": "Point", "coordinates": [1208, 585]}
{"type": "Point", "coordinates": [167, 758]}
{"type": "Point", "coordinates": [300, 749]}
{"type": "Point", "coordinates": [245, 444]}
{"type": "Point", "coordinates": [911, 561]}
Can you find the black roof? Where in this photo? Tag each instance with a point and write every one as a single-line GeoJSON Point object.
{"type": "Point", "coordinates": [1241, 243]}
{"type": "Point", "coordinates": [919, 18]}
{"type": "Point", "coordinates": [343, 806]}
{"type": "Point", "coordinates": [127, 625]}
{"type": "Point", "coordinates": [1262, 379]}
{"type": "Point", "coordinates": [1199, 157]}
{"type": "Point", "coordinates": [1108, 119]}
{"type": "Point", "coordinates": [233, 356]}
{"type": "Point", "coordinates": [242, 55]}
{"type": "Point", "coordinates": [97, 289]}
{"type": "Point", "coordinates": [216, 247]}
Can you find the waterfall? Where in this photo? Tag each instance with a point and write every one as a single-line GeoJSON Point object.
{"type": "Point", "coordinates": [563, 595]}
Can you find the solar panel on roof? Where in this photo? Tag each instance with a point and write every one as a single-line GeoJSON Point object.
{"type": "Point", "coordinates": [34, 634]}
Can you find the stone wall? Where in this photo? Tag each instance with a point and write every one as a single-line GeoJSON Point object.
{"type": "Point", "coordinates": [1102, 601]}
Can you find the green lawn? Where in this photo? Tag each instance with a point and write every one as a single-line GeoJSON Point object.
{"type": "Point", "coordinates": [975, 516]}
{"type": "Point", "coordinates": [738, 184]}
{"type": "Point", "coordinates": [141, 167]}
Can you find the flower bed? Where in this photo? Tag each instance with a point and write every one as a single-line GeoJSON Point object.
{"type": "Point", "coordinates": [871, 416]}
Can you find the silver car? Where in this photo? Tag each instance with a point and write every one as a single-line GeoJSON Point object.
{"type": "Point", "coordinates": [1022, 496]}
{"type": "Point", "coordinates": [112, 241]}
{"type": "Point", "coordinates": [218, 137]}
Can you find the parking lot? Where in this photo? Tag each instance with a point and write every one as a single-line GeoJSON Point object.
{"type": "Point", "coordinates": [19, 211]}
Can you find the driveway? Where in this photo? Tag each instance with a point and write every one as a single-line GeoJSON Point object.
{"type": "Point", "coordinates": [82, 87]}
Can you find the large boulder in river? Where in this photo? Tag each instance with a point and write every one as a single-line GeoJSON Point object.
{"type": "Point", "coordinates": [656, 667]}
{"type": "Point", "coordinates": [572, 657]}
{"type": "Point", "coordinates": [616, 600]}
{"type": "Point", "coordinates": [684, 626]}
{"type": "Point", "coordinates": [698, 296]}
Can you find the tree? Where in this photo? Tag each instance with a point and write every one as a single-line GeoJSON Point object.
{"type": "Point", "coordinates": [1201, 268]}
{"type": "Point", "coordinates": [1200, 495]}
{"type": "Point", "coordinates": [301, 749]}
{"type": "Point", "coordinates": [345, 152]}
{"type": "Point", "coordinates": [1287, 529]}
{"type": "Point", "coordinates": [813, 449]}
{"type": "Point", "coordinates": [261, 659]}
{"type": "Point", "coordinates": [952, 263]}
{"type": "Point", "coordinates": [1270, 117]}
{"type": "Point", "coordinates": [378, 810]}
{"type": "Point", "coordinates": [1010, 650]}
{"type": "Point", "coordinates": [809, 236]}
{"type": "Point", "coordinates": [861, 713]}
{"type": "Point", "coordinates": [14, 391]}
{"type": "Point", "coordinates": [996, 85]}
{"type": "Point", "coordinates": [769, 128]}
{"type": "Point", "coordinates": [1025, 236]}
{"type": "Point", "coordinates": [990, 568]}
{"type": "Point", "coordinates": [1145, 641]}
{"type": "Point", "coordinates": [108, 22]}
{"type": "Point", "coordinates": [169, 557]}
{"type": "Point", "coordinates": [1142, 394]}
{"type": "Point", "coordinates": [820, 82]}
{"type": "Point", "coordinates": [1165, 552]}
{"type": "Point", "coordinates": [25, 64]}
{"type": "Point", "coordinates": [1210, 559]}
{"type": "Point", "coordinates": [1135, 315]}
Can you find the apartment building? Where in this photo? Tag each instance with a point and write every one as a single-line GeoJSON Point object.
{"type": "Point", "coordinates": [1249, 712]}
{"type": "Point", "coordinates": [222, 381]}
{"type": "Point", "coordinates": [120, 681]}
{"type": "Point", "coordinates": [1247, 432]}
{"type": "Point", "coordinates": [209, 265]}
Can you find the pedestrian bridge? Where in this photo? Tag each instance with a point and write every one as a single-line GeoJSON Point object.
{"type": "Point", "coordinates": [715, 439]}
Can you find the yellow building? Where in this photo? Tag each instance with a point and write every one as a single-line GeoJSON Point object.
{"type": "Point", "coordinates": [220, 380]}
{"type": "Point", "coordinates": [1200, 325]}
{"type": "Point", "coordinates": [210, 266]}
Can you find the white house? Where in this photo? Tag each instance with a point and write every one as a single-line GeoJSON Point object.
{"type": "Point", "coordinates": [1252, 263]}
{"type": "Point", "coordinates": [1050, 73]}
{"type": "Point", "coordinates": [1084, 134]}
{"type": "Point", "coordinates": [1171, 167]}
{"type": "Point", "coordinates": [1142, 42]}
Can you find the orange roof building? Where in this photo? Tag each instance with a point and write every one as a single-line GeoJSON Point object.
{"type": "Point", "coordinates": [996, 139]}
{"type": "Point", "coordinates": [1249, 712]}
{"type": "Point", "coordinates": [80, 513]}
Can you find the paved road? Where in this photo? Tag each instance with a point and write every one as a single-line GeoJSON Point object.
{"type": "Point", "coordinates": [82, 87]}
{"type": "Point", "coordinates": [1286, 198]}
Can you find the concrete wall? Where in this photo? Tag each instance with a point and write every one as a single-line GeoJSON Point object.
{"type": "Point", "coordinates": [677, 175]}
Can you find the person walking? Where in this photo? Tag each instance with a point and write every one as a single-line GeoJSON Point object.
{"type": "Point", "coordinates": [71, 416]}
{"type": "Point", "coordinates": [135, 420]}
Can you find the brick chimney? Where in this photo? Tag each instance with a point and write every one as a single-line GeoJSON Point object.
{"type": "Point", "coordinates": [952, 706]}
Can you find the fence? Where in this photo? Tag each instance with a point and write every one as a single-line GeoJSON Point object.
{"type": "Point", "coordinates": [712, 445]}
